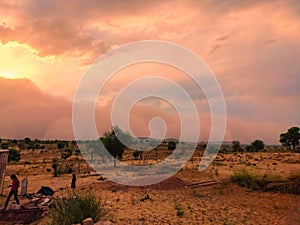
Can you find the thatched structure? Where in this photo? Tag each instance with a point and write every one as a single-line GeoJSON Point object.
{"type": "Point", "coordinates": [3, 161]}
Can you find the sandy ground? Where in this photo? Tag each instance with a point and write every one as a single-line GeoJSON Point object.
{"type": "Point", "coordinates": [171, 202]}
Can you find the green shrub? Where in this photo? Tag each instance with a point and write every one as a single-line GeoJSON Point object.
{"type": "Point", "coordinates": [75, 208]}
{"type": "Point", "coordinates": [270, 182]}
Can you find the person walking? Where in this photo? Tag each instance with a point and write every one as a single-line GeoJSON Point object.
{"type": "Point", "coordinates": [13, 191]}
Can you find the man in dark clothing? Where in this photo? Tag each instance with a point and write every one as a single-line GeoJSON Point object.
{"type": "Point", "coordinates": [14, 190]}
{"type": "Point", "coordinates": [73, 183]}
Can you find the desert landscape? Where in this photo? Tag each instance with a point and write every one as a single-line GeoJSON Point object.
{"type": "Point", "coordinates": [182, 199]}
{"type": "Point", "coordinates": [131, 112]}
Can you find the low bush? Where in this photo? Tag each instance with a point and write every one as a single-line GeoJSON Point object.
{"type": "Point", "coordinates": [246, 179]}
{"type": "Point", "coordinates": [75, 208]}
{"type": "Point", "coordinates": [291, 185]}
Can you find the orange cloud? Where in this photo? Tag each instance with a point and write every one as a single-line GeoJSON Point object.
{"type": "Point", "coordinates": [251, 46]}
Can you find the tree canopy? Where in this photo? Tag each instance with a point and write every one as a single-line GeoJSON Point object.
{"type": "Point", "coordinates": [256, 146]}
{"type": "Point", "coordinates": [113, 144]}
{"type": "Point", "coordinates": [291, 138]}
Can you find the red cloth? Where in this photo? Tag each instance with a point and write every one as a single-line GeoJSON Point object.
{"type": "Point", "coordinates": [15, 184]}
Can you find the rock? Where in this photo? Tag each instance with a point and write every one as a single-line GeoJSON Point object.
{"type": "Point", "coordinates": [88, 221]}
{"type": "Point", "coordinates": [108, 202]}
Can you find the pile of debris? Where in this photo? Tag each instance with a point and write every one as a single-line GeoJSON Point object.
{"type": "Point", "coordinates": [33, 209]}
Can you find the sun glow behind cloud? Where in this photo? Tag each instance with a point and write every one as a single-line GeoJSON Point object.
{"type": "Point", "coordinates": [14, 60]}
{"type": "Point", "coordinates": [22, 61]}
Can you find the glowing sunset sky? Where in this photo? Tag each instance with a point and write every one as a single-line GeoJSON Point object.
{"type": "Point", "coordinates": [253, 48]}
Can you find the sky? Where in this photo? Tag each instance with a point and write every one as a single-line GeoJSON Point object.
{"type": "Point", "coordinates": [252, 47]}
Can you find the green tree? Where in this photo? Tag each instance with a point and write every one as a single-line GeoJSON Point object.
{"type": "Point", "coordinates": [171, 145]}
{"type": "Point", "coordinates": [27, 140]}
{"type": "Point", "coordinates": [202, 145]}
{"type": "Point", "coordinates": [236, 146]}
{"type": "Point", "coordinates": [60, 145]}
{"type": "Point", "coordinates": [14, 155]}
{"type": "Point", "coordinates": [256, 146]}
{"type": "Point", "coordinates": [113, 145]}
{"type": "Point", "coordinates": [290, 138]}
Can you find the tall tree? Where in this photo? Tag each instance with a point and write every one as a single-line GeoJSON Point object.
{"type": "Point", "coordinates": [256, 146]}
{"type": "Point", "coordinates": [236, 146]}
{"type": "Point", "coordinates": [113, 145]}
{"type": "Point", "coordinates": [290, 138]}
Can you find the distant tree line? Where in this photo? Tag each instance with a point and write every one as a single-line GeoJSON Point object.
{"type": "Point", "coordinates": [115, 147]}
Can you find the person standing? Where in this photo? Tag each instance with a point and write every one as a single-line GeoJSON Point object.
{"type": "Point", "coordinates": [73, 184]}
{"type": "Point", "coordinates": [13, 191]}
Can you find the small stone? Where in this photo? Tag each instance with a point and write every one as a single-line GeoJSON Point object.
{"type": "Point", "coordinates": [88, 221]}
